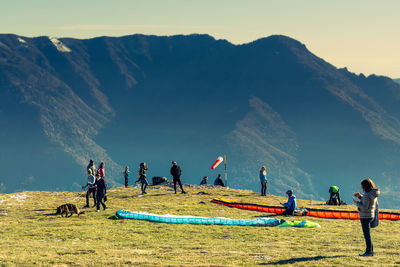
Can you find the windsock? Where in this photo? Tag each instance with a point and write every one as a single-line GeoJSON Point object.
{"type": "Point", "coordinates": [216, 163]}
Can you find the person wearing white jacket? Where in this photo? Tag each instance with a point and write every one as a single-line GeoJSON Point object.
{"type": "Point", "coordinates": [366, 208]}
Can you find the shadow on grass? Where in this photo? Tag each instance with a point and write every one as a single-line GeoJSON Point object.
{"type": "Point", "coordinates": [48, 214]}
{"type": "Point", "coordinates": [302, 259]}
{"type": "Point", "coordinates": [267, 215]}
{"type": "Point", "coordinates": [140, 195]}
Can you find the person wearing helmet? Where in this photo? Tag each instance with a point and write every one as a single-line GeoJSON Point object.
{"type": "Point", "coordinates": [290, 205]}
{"type": "Point", "coordinates": [334, 199]}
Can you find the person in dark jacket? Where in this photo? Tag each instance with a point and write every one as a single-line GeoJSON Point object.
{"type": "Point", "coordinates": [366, 208]}
{"type": "Point", "coordinates": [91, 167]}
{"type": "Point", "coordinates": [218, 180]}
{"type": "Point", "coordinates": [101, 192]}
{"type": "Point", "coordinates": [290, 205]}
{"type": "Point", "coordinates": [126, 175]}
{"type": "Point", "coordinates": [176, 173]}
{"type": "Point", "coordinates": [142, 176]}
{"type": "Point", "coordinates": [204, 181]}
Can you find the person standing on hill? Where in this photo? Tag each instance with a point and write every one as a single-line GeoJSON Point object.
{"type": "Point", "coordinates": [176, 173]}
{"type": "Point", "coordinates": [142, 176]}
{"type": "Point", "coordinates": [92, 188]}
{"type": "Point", "coordinates": [367, 204]}
{"type": "Point", "coordinates": [91, 167]}
{"type": "Point", "coordinates": [102, 172]}
{"type": "Point", "coordinates": [263, 180]}
{"type": "Point", "coordinates": [101, 192]}
{"type": "Point", "coordinates": [218, 180]}
{"type": "Point", "coordinates": [126, 176]}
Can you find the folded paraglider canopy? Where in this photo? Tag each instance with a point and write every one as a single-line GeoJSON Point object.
{"type": "Point", "coordinates": [321, 213]}
{"type": "Point", "coordinates": [271, 222]}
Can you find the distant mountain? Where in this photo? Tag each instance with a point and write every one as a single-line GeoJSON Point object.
{"type": "Point", "coordinates": [192, 98]}
{"type": "Point", "coordinates": [396, 80]}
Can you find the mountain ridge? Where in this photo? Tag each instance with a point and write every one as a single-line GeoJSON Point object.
{"type": "Point", "coordinates": [107, 93]}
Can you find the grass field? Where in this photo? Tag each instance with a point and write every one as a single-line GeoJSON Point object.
{"type": "Point", "coordinates": [32, 234]}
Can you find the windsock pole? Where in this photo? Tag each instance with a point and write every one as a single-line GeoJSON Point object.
{"type": "Point", "coordinates": [226, 175]}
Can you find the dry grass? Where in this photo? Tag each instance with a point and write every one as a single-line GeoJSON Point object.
{"type": "Point", "coordinates": [31, 234]}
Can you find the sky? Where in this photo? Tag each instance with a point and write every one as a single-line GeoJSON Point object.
{"type": "Point", "coordinates": [362, 35]}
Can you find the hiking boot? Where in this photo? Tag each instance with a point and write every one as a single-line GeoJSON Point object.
{"type": "Point", "coordinates": [86, 206]}
{"type": "Point", "coordinates": [366, 254]}
{"type": "Point", "coordinates": [104, 208]}
{"type": "Point", "coordinates": [98, 210]}
{"type": "Point", "coordinates": [183, 192]}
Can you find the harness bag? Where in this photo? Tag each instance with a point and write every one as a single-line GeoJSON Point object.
{"type": "Point", "coordinates": [375, 222]}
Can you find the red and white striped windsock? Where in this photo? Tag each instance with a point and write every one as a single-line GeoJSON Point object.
{"type": "Point", "coordinates": [216, 163]}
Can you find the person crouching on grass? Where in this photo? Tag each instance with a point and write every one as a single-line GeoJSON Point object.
{"type": "Point", "coordinates": [290, 205]}
{"type": "Point", "coordinates": [366, 208]}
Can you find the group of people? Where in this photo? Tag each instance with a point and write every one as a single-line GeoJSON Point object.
{"type": "Point", "coordinates": [175, 171]}
{"type": "Point", "coordinates": [96, 185]}
{"type": "Point", "coordinates": [217, 181]}
{"type": "Point", "coordinates": [367, 203]}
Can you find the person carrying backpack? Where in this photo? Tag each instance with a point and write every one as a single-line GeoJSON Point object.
{"type": "Point", "coordinates": [367, 207]}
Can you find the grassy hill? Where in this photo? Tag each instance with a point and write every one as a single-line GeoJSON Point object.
{"type": "Point", "coordinates": [32, 234]}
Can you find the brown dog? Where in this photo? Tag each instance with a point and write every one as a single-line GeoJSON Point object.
{"type": "Point", "coordinates": [69, 208]}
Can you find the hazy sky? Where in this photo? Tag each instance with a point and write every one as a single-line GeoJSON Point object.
{"type": "Point", "coordinates": [363, 35]}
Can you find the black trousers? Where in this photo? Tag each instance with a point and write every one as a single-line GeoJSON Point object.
{"type": "Point", "coordinates": [178, 180]}
{"type": "Point", "coordinates": [264, 188]}
{"type": "Point", "coordinates": [126, 181]}
{"type": "Point", "coordinates": [287, 212]}
{"type": "Point", "coordinates": [366, 228]}
{"type": "Point", "coordinates": [88, 192]}
{"type": "Point", "coordinates": [100, 200]}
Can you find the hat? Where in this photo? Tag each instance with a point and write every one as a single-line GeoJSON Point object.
{"type": "Point", "coordinates": [289, 192]}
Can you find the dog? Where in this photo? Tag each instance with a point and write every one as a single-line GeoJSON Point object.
{"type": "Point", "coordinates": [69, 208]}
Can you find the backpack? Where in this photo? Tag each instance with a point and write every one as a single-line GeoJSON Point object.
{"type": "Point", "coordinates": [375, 222]}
